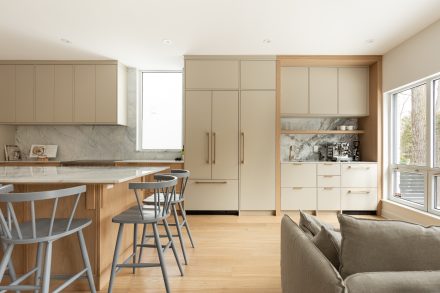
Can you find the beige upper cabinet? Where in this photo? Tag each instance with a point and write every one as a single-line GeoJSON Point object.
{"type": "Point", "coordinates": [63, 94]}
{"type": "Point", "coordinates": [224, 135]}
{"type": "Point", "coordinates": [24, 93]}
{"type": "Point", "coordinates": [257, 153]}
{"type": "Point", "coordinates": [51, 92]}
{"type": "Point", "coordinates": [198, 133]}
{"type": "Point", "coordinates": [7, 93]}
{"type": "Point", "coordinates": [258, 75]}
{"type": "Point", "coordinates": [84, 93]}
{"type": "Point", "coordinates": [211, 74]}
{"type": "Point", "coordinates": [294, 90]}
{"type": "Point", "coordinates": [106, 93]}
{"type": "Point", "coordinates": [353, 91]}
{"type": "Point", "coordinates": [44, 93]}
{"type": "Point", "coordinates": [323, 91]}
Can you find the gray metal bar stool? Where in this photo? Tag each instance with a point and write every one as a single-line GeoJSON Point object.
{"type": "Point", "coordinates": [177, 199]}
{"type": "Point", "coordinates": [152, 215]}
{"type": "Point", "coordinates": [41, 231]}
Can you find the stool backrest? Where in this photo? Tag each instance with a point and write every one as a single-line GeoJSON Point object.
{"type": "Point", "coordinates": [183, 176]}
{"type": "Point", "coordinates": [165, 184]}
{"type": "Point", "coordinates": [10, 223]}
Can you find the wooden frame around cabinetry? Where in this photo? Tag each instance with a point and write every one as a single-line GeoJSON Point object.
{"type": "Point", "coordinates": [371, 138]}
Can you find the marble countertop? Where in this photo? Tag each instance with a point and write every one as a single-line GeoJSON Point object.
{"type": "Point", "coordinates": [326, 162]}
{"type": "Point", "coordinates": [83, 175]}
{"type": "Point", "coordinates": [149, 161]}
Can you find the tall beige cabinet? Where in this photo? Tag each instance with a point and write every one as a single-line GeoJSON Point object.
{"type": "Point", "coordinates": [229, 133]}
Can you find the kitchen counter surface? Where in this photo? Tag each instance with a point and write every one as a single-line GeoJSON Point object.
{"type": "Point", "coordinates": [326, 162]}
{"type": "Point", "coordinates": [150, 161]}
{"type": "Point", "coordinates": [83, 175]}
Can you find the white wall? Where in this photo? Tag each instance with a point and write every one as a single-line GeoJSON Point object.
{"type": "Point", "coordinates": [7, 136]}
{"type": "Point", "coordinates": [414, 59]}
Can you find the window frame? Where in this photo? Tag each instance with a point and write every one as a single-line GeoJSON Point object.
{"type": "Point", "coordinates": [429, 170]}
{"type": "Point", "coordinates": [140, 114]}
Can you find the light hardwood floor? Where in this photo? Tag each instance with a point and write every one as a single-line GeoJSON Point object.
{"type": "Point", "coordinates": [232, 254]}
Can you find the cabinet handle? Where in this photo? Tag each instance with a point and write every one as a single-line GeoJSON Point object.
{"type": "Point", "coordinates": [328, 176]}
{"type": "Point", "coordinates": [213, 147]}
{"type": "Point", "coordinates": [328, 188]}
{"type": "Point", "coordinates": [358, 167]}
{"type": "Point", "coordinates": [297, 188]}
{"type": "Point", "coordinates": [297, 164]}
{"type": "Point", "coordinates": [242, 147]}
{"type": "Point", "coordinates": [210, 182]}
{"type": "Point", "coordinates": [358, 192]}
{"type": "Point", "coordinates": [207, 136]}
{"type": "Point", "coordinates": [327, 164]}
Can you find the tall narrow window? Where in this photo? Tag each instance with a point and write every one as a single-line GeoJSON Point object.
{"type": "Point", "coordinates": [161, 119]}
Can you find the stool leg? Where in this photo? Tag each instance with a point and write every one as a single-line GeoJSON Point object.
{"type": "Point", "coordinates": [6, 259]}
{"type": "Point", "coordinates": [179, 233]}
{"type": "Point", "coordinates": [135, 232]}
{"type": "Point", "coordinates": [115, 257]}
{"type": "Point", "coordinates": [173, 247]}
{"type": "Point", "coordinates": [185, 221]}
{"type": "Point", "coordinates": [144, 231]}
{"type": "Point", "coordinates": [47, 267]}
{"type": "Point", "coordinates": [86, 261]}
{"type": "Point", "coordinates": [39, 263]}
{"type": "Point", "coordinates": [161, 257]}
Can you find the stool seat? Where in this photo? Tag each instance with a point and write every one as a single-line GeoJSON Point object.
{"type": "Point", "coordinates": [133, 216]}
{"type": "Point", "coordinates": [42, 230]}
{"type": "Point", "coordinates": [174, 199]}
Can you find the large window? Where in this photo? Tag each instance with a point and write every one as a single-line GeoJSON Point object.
{"type": "Point", "coordinates": [161, 110]}
{"type": "Point", "coordinates": [415, 145]}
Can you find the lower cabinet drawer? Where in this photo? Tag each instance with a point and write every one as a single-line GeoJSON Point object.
{"type": "Point", "coordinates": [359, 199]}
{"type": "Point", "coordinates": [329, 199]}
{"type": "Point", "coordinates": [215, 195]}
{"type": "Point", "coordinates": [298, 198]}
{"type": "Point", "coordinates": [329, 181]}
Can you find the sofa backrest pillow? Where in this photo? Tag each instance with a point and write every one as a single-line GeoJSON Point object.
{"type": "Point", "coordinates": [378, 246]}
{"type": "Point", "coordinates": [311, 225]}
{"type": "Point", "coordinates": [329, 243]}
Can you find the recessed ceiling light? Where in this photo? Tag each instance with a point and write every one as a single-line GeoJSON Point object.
{"type": "Point", "coordinates": [266, 41]}
{"type": "Point", "coordinates": [66, 41]}
{"type": "Point", "coordinates": [167, 42]}
{"type": "Point", "coordinates": [370, 41]}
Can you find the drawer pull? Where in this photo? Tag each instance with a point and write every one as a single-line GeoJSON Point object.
{"type": "Point", "coordinates": [328, 188]}
{"type": "Point", "coordinates": [297, 164]}
{"type": "Point", "coordinates": [211, 182]}
{"type": "Point", "coordinates": [328, 176]}
{"type": "Point", "coordinates": [327, 164]}
{"type": "Point", "coordinates": [358, 192]}
{"type": "Point", "coordinates": [358, 167]}
{"type": "Point", "coordinates": [297, 188]}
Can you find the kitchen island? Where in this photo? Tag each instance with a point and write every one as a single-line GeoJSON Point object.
{"type": "Point", "coordinates": [107, 195]}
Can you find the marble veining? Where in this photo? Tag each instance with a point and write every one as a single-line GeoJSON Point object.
{"type": "Point", "coordinates": [85, 142]}
{"type": "Point", "coordinates": [303, 144]}
{"type": "Point", "coordinates": [81, 175]}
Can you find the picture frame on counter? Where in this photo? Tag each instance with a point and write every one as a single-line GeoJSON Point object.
{"type": "Point", "coordinates": [43, 151]}
{"type": "Point", "coordinates": [12, 153]}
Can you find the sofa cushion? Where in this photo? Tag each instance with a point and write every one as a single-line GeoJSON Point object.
{"type": "Point", "coordinates": [329, 243]}
{"type": "Point", "coordinates": [311, 225]}
{"type": "Point", "coordinates": [394, 282]}
{"type": "Point", "coordinates": [378, 246]}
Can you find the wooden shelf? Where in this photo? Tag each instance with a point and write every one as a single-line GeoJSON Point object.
{"type": "Point", "coordinates": [322, 131]}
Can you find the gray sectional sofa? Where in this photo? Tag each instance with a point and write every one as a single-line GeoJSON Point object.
{"type": "Point", "coordinates": [305, 269]}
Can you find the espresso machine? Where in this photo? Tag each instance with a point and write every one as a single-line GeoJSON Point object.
{"type": "Point", "coordinates": [339, 152]}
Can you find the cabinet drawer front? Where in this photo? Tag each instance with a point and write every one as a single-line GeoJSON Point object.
{"type": "Point", "coordinates": [359, 199]}
{"type": "Point", "coordinates": [206, 195]}
{"type": "Point", "coordinates": [359, 175]}
{"type": "Point", "coordinates": [329, 169]}
{"type": "Point", "coordinates": [329, 181]}
{"type": "Point", "coordinates": [298, 199]}
{"type": "Point", "coordinates": [298, 175]}
{"type": "Point", "coordinates": [329, 199]}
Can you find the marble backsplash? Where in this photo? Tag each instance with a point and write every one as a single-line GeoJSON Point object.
{"type": "Point", "coordinates": [93, 142]}
{"type": "Point", "coordinates": [303, 143]}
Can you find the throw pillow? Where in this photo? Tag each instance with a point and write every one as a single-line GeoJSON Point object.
{"type": "Point", "coordinates": [329, 243]}
{"type": "Point", "coordinates": [379, 246]}
{"type": "Point", "coordinates": [311, 225]}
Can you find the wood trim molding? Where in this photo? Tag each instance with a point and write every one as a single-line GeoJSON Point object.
{"type": "Point", "coordinates": [277, 141]}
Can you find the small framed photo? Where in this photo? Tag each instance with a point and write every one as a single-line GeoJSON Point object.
{"type": "Point", "coordinates": [43, 151]}
{"type": "Point", "coordinates": [12, 153]}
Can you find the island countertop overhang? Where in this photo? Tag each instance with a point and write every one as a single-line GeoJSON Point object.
{"type": "Point", "coordinates": [79, 175]}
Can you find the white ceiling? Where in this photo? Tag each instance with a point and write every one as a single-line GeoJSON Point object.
{"type": "Point", "coordinates": [133, 31]}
